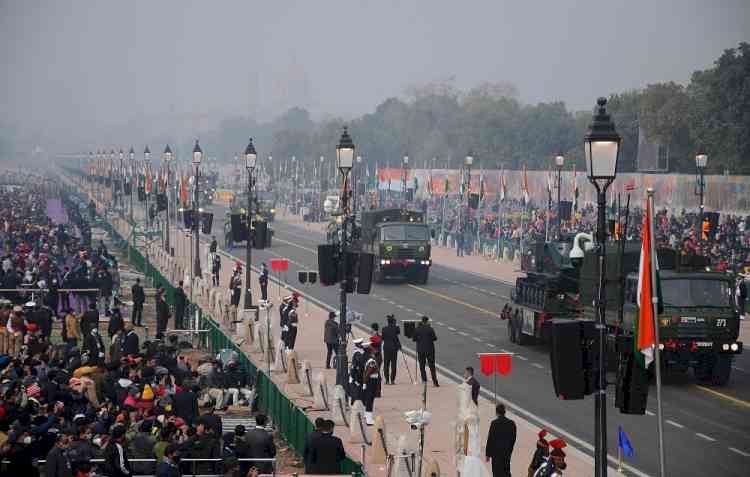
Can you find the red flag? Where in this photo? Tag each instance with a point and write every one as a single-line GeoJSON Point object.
{"type": "Point", "coordinates": [486, 364]}
{"type": "Point", "coordinates": [504, 362]}
{"type": "Point", "coordinates": [279, 264]}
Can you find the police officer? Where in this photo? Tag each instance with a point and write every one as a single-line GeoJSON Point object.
{"type": "Point", "coordinates": [425, 337]}
{"type": "Point", "coordinates": [391, 347]}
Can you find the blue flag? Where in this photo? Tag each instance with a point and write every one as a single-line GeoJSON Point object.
{"type": "Point", "coordinates": [624, 443]}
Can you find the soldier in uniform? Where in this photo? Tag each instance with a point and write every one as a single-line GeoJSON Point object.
{"type": "Point", "coordinates": [540, 454]}
{"type": "Point", "coordinates": [292, 322]}
{"type": "Point", "coordinates": [555, 463]}
{"type": "Point", "coordinates": [370, 383]}
{"type": "Point", "coordinates": [263, 280]}
{"type": "Point", "coordinates": [357, 370]}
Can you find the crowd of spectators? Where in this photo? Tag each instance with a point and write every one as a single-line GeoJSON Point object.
{"type": "Point", "coordinates": [73, 401]}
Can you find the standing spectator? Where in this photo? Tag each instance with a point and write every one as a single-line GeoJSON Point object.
{"type": "Point", "coordinates": [391, 347]}
{"type": "Point", "coordinates": [263, 280]}
{"type": "Point", "coordinates": [168, 466]}
{"type": "Point", "coordinates": [327, 452]}
{"type": "Point", "coordinates": [260, 444]}
{"type": "Point", "coordinates": [330, 337]}
{"type": "Point", "coordinates": [185, 404]}
{"type": "Point", "coordinates": [180, 301]}
{"type": "Point", "coordinates": [309, 440]}
{"type": "Point", "coordinates": [501, 439]}
{"type": "Point", "coordinates": [115, 455]}
{"type": "Point", "coordinates": [57, 464]}
{"type": "Point", "coordinates": [89, 320]}
{"type": "Point", "coordinates": [425, 338]}
{"type": "Point", "coordinates": [94, 346]}
{"type": "Point", "coordinates": [162, 316]}
{"type": "Point", "coordinates": [131, 342]}
{"type": "Point", "coordinates": [214, 245]}
{"type": "Point", "coordinates": [472, 381]}
{"type": "Point", "coordinates": [105, 284]}
{"type": "Point", "coordinates": [116, 323]}
{"type": "Point", "coordinates": [139, 297]}
{"type": "Point", "coordinates": [72, 328]}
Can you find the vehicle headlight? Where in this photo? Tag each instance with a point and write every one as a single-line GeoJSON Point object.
{"type": "Point", "coordinates": [421, 248]}
{"type": "Point", "coordinates": [273, 211]}
{"type": "Point", "coordinates": [382, 262]}
{"type": "Point", "coordinates": [734, 347]}
{"type": "Point", "coordinates": [661, 346]}
{"type": "Point", "coordinates": [725, 347]}
{"type": "Point", "coordinates": [388, 248]}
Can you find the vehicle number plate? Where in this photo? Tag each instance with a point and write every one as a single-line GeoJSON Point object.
{"type": "Point", "coordinates": [704, 344]}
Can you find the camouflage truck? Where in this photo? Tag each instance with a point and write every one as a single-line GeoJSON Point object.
{"type": "Point", "coordinates": [698, 325]}
{"type": "Point", "coordinates": [399, 239]}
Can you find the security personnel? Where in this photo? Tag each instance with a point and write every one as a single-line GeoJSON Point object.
{"type": "Point", "coordinates": [555, 463]}
{"type": "Point", "coordinates": [292, 322]}
{"type": "Point", "coordinates": [391, 347]}
{"type": "Point", "coordinates": [425, 337]}
{"type": "Point", "coordinates": [263, 280]}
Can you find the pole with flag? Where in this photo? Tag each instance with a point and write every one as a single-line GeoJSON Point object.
{"type": "Point", "coordinates": [623, 447]}
{"type": "Point", "coordinates": [575, 190]}
{"type": "Point", "coordinates": [647, 349]}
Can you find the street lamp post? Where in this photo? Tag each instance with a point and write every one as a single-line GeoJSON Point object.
{"type": "Point", "coordinates": [559, 162]}
{"type": "Point", "coordinates": [701, 161]}
{"type": "Point", "coordinates": [601, 149]}
{"type": "Point", "coordinates": [131, 165]}
{"type": "Point", "coordinates": [344, 162]}
{"type": "Point", "coordinates": [197, 156]}
{"type": "Point", "coordinates": [147, 167]}
{"type": "Point", "coordinates": [167, 160]}
{"type": "Point", "coordinates": [403, 179]}
{"type": "Point", "coordinates": [121, 177]}
{"type": "Point", "coordinates": [251, 159]}
{"type": "Point", "coordinates": [468, 162]}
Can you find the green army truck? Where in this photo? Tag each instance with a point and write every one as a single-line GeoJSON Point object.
{"type": "Point", "coordinates": [698, 326]}
{"type": "Point", "coordinates": [400, 241]}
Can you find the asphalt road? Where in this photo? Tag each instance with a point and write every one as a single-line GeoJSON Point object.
{"type": "Point", "coordinates": [707, 430]}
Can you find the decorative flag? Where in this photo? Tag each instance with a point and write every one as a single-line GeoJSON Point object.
{"type": "Point", "coordinates": [525, 187]}
{"type": "Point", "coordinates": [446, 185]}
{"type": "Point", "coordinates": [503, 185]}
{"type": "Point", "coordinates": [624, 443]}
{"type": "Point", "coordinates": [184, 191]}
{"type": "Point", "coordinates": [149, 182]}
{"type": "Point", "coordinates": [481, 185]}
{"type": "Point", "coordinates": [646, 335]}
{"type": "Point", "coordinates": [575, 190]}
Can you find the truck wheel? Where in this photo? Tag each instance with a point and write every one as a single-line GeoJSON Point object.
{"type": "Point", "coordinates": [522, 338]}
{"type": "Point", "coordinates": [423, 276]}
{"type": "Point", "coordinates": [511, 331]}
{"type": "Point", "coordinates": [379, 275]}
{"type": "Point", "coordinates": [721, 370]}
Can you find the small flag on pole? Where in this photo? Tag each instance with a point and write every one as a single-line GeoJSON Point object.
{"type": "Point", "coordinates": [624, 443]}
{"type": "Point", "coordinates": [525, 187]}
{"type": "Point", "coordinates": [646, 333]}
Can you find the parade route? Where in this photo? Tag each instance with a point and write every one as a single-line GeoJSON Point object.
{"type": "Point", "coordinates": [464, 331]}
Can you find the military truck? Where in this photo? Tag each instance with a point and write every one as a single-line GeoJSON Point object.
{"type": "Point", "coordinates": [698, 326]}
{"type": "Point", "coordinates": [264, 206]}
{"type": "Point", "coordinates": [400, 241]}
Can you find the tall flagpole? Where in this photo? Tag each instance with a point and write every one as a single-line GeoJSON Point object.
{"type": "Point", "coordinates": [657, 358]}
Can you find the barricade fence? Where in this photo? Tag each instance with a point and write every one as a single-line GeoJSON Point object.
{"type": "Point", "coordinates": [291, 422]}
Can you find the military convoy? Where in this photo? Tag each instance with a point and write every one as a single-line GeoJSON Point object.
{"type": "Point", "coordinates": [698, 326]}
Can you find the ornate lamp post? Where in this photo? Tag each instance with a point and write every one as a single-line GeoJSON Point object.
{"type": "Point", "coordinates": [344, 162]}
{"type": "Point", "coordinates": [197, 156]}
{"type": "Point", "coordinates": [147, 166]}
{"type": "Point", "coordinates": [251, 159]}
{"type": "Point", "coordinates": [602, 150]}
{"type": "Point", "coordinates": [559, 163]}
{"type": "Point", "coordinates": [701, 161]}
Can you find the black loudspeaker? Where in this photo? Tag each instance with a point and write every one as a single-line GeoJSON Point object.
{"type": "Point", "coordinates": [327, 265]}
{"type": "Point", "coordinates": [239, 227]}
{"type": "Point", "coordinates": [631, 395]}
{"type": "Point", "coordinates": [566, 207]}
{"type": "Point", "coordinates": [161, 202]}
{"type": "Point", "coordinates": [364, 277]}
{"type": "Point", "coordinates": [566, 358]}
{"type": "Point", "coordinates": [474, 201]}
{"type": "Point", "coordinates": [188, 218]}
{"type": "Point", "coordinates": [352, 261]}
{"type": "Point", "coordinates": [260, 231]}
{"type": "Point", "coordinates": [409, 328]}
{"type": "Point", "coordinates": [312, 277]}
{"type": "Point", "coordinates": [302, 276]}
{"type": "Point", "coordinates": [207, 220]}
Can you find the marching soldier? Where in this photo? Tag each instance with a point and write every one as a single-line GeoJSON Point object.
{"type": "Point", "coordinates": [555, 463]}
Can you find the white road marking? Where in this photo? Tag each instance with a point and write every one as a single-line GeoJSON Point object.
{"type": "Point", "coordinates": [440, 323]}
{"type": "Point", "coordinates": [451, 328]}
{"type": "Point", "coordinates": [675, 424]}
{"type": "Point", "coordinates": [478, 340]}
{"type": "Point", "coordinates": [391, 302]}
{"type": "Point", "coordinates": [406, 308]}
{"type": "Point", "coordinates": [463, 333]}
{"type": "Point", "coordinates": [400, 306]}
{"type": "Point", "coordinates": [503, 350]}
{"type": "Point", "coordinates": [490, 345]}
{"type": "Point", "coordinates": [418, 313]}
{"type": "Point", "coordinates": [522, 358]}
{"type": "Point", "coordinates": [537, 365]}
{"type": "Point", "coordinates": [649, 413]}
{"type": "Point", "coordinates": [733, 449]}
{"type": "Point", "coordinates": [703, 436]}
{"type": "Point", "coordinates": [738, 368]}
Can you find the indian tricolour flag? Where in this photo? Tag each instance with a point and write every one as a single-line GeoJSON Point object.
{"type": "Point", "coordinates": [645, 341]}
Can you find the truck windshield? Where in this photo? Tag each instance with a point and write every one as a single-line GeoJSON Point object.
{"type": "Point", "coordinates": [696, 293]}
{"type": "Point", "coordinates": [404, 232]}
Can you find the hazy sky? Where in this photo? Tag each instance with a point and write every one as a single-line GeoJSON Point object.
{"type": "Point", "coordinates": [72, 64]}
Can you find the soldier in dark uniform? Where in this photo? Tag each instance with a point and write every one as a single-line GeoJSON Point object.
{"type": "Point", "coordinates": [370, 383]}
{"type": "Point", "coordinates": [555, 463]}
{"type": "Point", "coordinates": [292, 322]}
{"type": "Point", "coordinates": [263, 280]}
{"type": "Point", "coordinates": [357, 371]}
{"type": "Point", "coordinates": [235, 285]}
{"type": "Point", "coordinates": [284, 308]}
